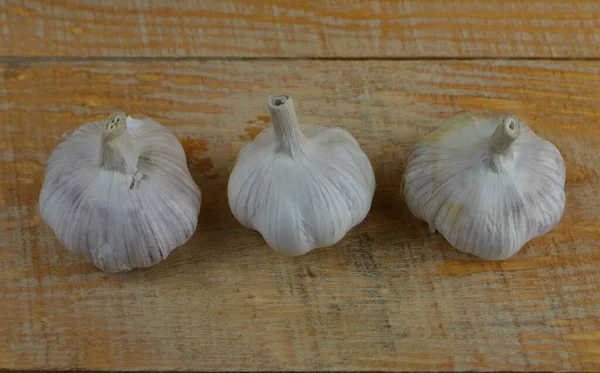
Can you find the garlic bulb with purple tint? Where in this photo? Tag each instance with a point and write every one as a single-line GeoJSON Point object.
{"type": "Point", "coordinates": [119, 193]}
{"type": "Point", "coordinates": [487, 183]}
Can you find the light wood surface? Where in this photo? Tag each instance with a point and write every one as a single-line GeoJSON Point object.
{"type": "Point", "coordinates": [390, 296]}
{"type": "Point", "coordinates": [292, 28]}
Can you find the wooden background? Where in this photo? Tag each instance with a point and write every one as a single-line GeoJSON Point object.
{"type": "Point", "coordinates": [390, 295]}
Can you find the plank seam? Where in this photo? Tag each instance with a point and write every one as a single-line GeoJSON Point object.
{"type": "Point", "coordinates": [178, 59]}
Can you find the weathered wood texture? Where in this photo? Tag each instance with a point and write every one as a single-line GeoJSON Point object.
{"type": "Point", "coordinates": [291, 28]}
{"type": "Point", "coordinates": [390, 296]}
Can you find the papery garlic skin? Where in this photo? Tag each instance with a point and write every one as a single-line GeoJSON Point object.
{"type": "Point", "coordinates": [119, 193]}
{"type": "Point", "coordinates": [487, 183]}
{"type": "Point", "coordinates": [300, 192]}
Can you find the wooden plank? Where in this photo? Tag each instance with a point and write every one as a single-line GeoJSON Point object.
{"type": "Point", "coordinates": [390, 296]}
{"type": "Point", "coordinates": [290, 28]}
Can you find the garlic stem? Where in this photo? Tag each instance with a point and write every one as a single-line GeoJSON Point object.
{"type": "Point", "coordinates": [289, 138]}
{"type": "Point", "coordinates": [501, 142]}
{"type": "Point", "coordinates": [117, 152]}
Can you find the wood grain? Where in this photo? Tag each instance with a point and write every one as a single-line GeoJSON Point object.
{"type": "Point", "coordinates": [290, 28]}
{"type": "Point", "coordinates": [389, 296]}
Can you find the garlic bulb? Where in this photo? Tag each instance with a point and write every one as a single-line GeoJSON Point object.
{"type": "Point", "coordinates": [119, 193]}
{"type": "Point", "coordinates": [299, 192]}
{"type": "Point", "coordinates": [488, 183]}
